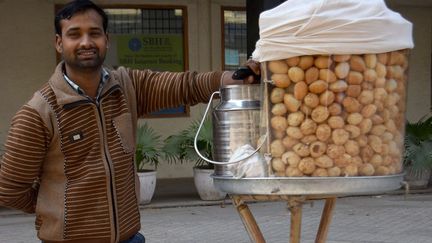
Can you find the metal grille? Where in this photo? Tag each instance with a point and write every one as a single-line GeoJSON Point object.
{"type": "Point", "coordinates": [145, 21]}
{"type": "Point", "coordinates": [235, 38]}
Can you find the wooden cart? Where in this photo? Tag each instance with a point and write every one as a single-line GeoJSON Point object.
{"type": "Point", "coordinates": [295, 204]}
{"type": "Point", "coordinates": [296, 191]}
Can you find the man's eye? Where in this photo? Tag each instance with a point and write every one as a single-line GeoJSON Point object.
{"type": "Point", "coordinates": [95, 34]}
{"type": "Point", "coordinates": [73, 35]}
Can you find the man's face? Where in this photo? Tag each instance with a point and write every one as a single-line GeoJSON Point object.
{"type": "Point", "coordinates": [83, 42]}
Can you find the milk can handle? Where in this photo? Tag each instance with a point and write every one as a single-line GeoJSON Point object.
{"type": "Point", "coordinates": [220, 162]}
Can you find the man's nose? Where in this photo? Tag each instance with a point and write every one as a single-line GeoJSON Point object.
{"type": "Point", "coordinates": [86, 41]}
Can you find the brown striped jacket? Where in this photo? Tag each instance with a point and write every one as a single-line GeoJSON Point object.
{"type": "Point", "coordinates": [71, 160]}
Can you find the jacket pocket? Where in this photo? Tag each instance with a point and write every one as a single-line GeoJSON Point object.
{"type": "Point", "coordinates": [123, 126]}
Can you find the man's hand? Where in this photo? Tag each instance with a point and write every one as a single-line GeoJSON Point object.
{"type": "Point", "coordinates": [248, 74]}
{"type": "Point", "coordinates": [255, 67]}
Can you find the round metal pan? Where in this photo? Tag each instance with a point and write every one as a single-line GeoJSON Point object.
{"type": "Point", "coordinates": [309, 185]}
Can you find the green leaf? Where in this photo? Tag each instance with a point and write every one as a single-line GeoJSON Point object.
{"type": "Point", "coordinates": [148, 147]}
{"type": "Point", "coordinates": [418, 143]}
{"type": "Point", "coordinates": [180, 147]}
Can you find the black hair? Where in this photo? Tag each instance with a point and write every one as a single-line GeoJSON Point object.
{"type": "Point", "coordinates": [76, 6]}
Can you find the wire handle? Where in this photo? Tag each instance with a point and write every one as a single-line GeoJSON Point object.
{"type": "Point", "coordinates": [220, 162]}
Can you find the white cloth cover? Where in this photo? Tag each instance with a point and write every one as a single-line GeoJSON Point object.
{"type": "Point", "coordinates": [311, 27]}
{"type": "Point", "coordinates": [253, 166]}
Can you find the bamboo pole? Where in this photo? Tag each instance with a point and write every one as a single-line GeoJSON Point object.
{"type": "Point", "coordinates": [326, 218]}
{"type": "Point", "coordinates": [248, 220]}
{"type": "Point", "coordinates": [295, 206]}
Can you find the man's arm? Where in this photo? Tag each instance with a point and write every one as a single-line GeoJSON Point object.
{"type": "Point", "coordinates": [25, 149]}
{"type": "Point", "coordinates": [159, 90]}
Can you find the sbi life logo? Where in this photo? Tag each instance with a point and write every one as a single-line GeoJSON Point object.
{"type": "Point", "coordinates": [135, 44]}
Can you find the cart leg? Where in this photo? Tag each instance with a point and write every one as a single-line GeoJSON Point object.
{"type": "Point", "coordinates": [249, 222]}
{"type": "Point", "coordinates": [295, 207]}
{"type": "Point", "coordinates": [326, 218]}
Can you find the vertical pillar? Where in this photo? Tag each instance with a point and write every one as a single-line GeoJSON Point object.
{"type": "Point", "coordinates": [253, 10]}
{"type": "Point", "coordinates": [204, 36]}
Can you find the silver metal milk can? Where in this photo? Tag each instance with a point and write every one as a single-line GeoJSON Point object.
{"type": "Point", "coordinates": [235, 123]}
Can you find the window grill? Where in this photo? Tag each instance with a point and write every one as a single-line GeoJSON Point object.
{"type": "Point", "coordinates": [145, 21]}
{"type": "Point", "coordinates": [235, 50]}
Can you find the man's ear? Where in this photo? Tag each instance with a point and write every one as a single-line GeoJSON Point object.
{"type": "Point", "coordinates": [59, 43]}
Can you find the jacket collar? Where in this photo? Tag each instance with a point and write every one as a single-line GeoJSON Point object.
{"type": "Point", "coordinates": [65, 94]}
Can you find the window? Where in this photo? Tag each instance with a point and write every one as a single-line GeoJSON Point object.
{"type": "Point", "coordinates": [149, 38]}
{"type": "Point", "coordinates": [152, 38]}
{"type": "Point", "coordinates": [234, 51]}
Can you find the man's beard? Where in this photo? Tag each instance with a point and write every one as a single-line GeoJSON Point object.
{"type": "Point", "coordinates": [91, 64]}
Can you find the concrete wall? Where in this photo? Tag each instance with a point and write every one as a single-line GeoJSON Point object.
{"type": "Point", "coordinates": [419, 82]}
{"type": "Point", "coordinates": [28, 57]}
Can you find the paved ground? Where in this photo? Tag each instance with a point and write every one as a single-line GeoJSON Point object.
{"type": "Point", "coordinates": [367, 219]}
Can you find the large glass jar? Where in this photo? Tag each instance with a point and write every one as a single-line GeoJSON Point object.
{"type": "Point", "coordinates": [335, 115]}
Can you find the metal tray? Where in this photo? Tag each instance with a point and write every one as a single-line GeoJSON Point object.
{"type": "Point", "coordinates": [309, 185]}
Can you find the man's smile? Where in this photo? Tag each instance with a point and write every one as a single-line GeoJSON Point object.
{"type": "Point", "coordinates": [90, 53]}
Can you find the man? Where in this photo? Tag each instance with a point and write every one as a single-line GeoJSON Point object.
{"type": "Point", "coordinates": [70, 150]}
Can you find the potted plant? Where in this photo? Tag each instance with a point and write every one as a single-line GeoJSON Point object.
{"type": "Point", "coordinates": [147, 155]}
{"type": "Point", "coordinates": [180, 148]}
{"type": "Point", "coordinates": [418, 152]}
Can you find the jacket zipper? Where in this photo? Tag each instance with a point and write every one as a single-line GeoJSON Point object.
{"type": "Point", "coordinates": [111, 183]}
{"type": "Point", "coordinates": [109, 162]}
